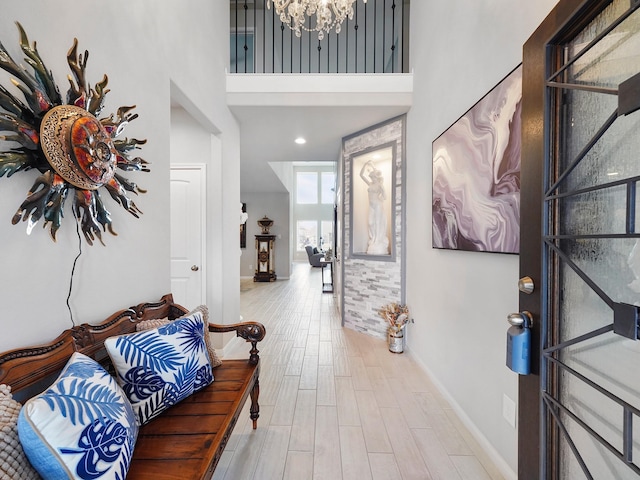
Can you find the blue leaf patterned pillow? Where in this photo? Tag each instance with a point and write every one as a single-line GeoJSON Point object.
{"type": "Point", "coordinates": [82, 427]}
{"type": "Point", "coordinates": [159, 367]}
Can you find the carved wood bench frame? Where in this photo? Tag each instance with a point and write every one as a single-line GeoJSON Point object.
{"type": "Point", "coordinates": [185, 441]}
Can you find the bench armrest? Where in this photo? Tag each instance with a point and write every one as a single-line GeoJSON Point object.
{"type": "Point", "coordinates": [251, 331]}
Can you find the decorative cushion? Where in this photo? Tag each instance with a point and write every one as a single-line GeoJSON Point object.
{"type": "Point", "coordinates": [13, 462]}
{"type": "Point", "coordinates": [82, 427]}
{"type": "Point", "coordinates": [159, 367]}
{"type": "Point", "coordinates": [213, 356]}
{"type": "Point", "coordinates": [159, 322]}
{"type": "Point", "coordinates": [153, 323]}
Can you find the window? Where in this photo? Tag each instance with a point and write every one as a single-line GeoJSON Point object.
{"type": "Point", "coordinates": [328, 187]}
{"type": "Point", "coordinates": [313, 209]}
{"type": "Point", "coordinates": [326, 234]}
{"type": "Point", "coordinates": [307, 187]}
{"type": "Point", "coordinates": [307, 231]}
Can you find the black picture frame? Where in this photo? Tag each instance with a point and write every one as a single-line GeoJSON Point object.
{"type": "Point", "coordinates": [476, 174]}
{"type": "Point", "coordinates": [243, 229]}
{"type": "Point", "coordinates": [383, 159]}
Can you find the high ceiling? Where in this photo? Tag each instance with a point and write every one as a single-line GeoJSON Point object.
{"type": "Point", "coordinates": [267, 134]}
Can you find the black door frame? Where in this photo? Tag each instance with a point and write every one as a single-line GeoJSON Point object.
{"type": "Point", "coordinates": [567, 17]}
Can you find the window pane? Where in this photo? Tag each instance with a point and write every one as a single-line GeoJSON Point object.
{"type": "Point", "coordinates": [328, 187]}
{"type": "Point", "coordinates": [326, 231]}
{"type": "Point", "coordinates": [307, 234]}
{"type": "Point", "coordinates": [307, 187]}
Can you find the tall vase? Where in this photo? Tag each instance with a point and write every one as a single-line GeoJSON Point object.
{"type": "Point", "coordinates": [395, 338]}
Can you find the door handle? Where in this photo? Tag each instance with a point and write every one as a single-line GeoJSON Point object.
{"type": "Point", "coordinates": [525, 285]}
{"type": "Point", "coordinates": [195, 268]}
{"type": "Point", "coordinates": [520, 319]}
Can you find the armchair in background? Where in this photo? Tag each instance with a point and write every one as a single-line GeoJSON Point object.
{"type": "Point", "coordinates": [314, 256]}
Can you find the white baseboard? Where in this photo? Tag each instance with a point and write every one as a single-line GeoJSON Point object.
{"type": "Point", "coordinates": [233, 348]}
{"type": "Point", "coordinates": [493, 454]}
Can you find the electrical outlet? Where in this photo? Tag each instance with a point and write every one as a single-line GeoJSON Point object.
{"type": "Point", "coordinates": [250, 267]}
{"type": "Point", "coordinates": [509, 410]}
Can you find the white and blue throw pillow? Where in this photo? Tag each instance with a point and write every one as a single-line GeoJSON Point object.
{"type": "Point", "coordinates": [82, 427]}
{"type": "Point", "coordinates": [159, 367]}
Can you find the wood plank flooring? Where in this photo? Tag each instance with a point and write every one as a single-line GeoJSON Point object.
{"type": "Point", "coordinates": [336, 404]}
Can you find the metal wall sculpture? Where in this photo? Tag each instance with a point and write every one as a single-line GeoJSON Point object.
{"type": "Point", "coordinates": [75, 152]}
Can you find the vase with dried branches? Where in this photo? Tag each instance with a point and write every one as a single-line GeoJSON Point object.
{"type": "Point", "coordinates": [397, 317]}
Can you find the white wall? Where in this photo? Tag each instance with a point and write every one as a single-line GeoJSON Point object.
{"type": "Point", "coordinates": [142, 48]}
{"type": "Point", "coordinates": [460, 300]}
{"type": "Point", "coordinates": [276, 207]}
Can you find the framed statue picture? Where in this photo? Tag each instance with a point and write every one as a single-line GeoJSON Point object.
{"type": "Point", "coordinates": [243, 228]}
{"type": "Point", "coordinates": [372, 219]}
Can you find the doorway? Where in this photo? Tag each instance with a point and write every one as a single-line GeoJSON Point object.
{"type": "Point", "coordinates": [580, 242]}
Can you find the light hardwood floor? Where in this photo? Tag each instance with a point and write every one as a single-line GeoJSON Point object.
{"type": "Point", "coordinates": [336, 404]}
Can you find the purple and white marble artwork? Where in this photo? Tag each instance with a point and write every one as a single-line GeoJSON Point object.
{"type": "Point", "coordinates": [476, 174]}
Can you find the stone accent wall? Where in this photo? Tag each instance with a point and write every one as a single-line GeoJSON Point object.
{"type": "Point", "coordinates": [369, 284]}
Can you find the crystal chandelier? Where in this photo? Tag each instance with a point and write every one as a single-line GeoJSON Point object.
{"type": "Point", "coordinates": [328, 13]}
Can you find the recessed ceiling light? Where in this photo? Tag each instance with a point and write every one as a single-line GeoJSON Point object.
{"type": "Point", "coordinates": [300, 141]}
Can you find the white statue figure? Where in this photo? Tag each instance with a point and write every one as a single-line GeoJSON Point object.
{"type": "Point", "coordinates": [243, 215]}
{"type": "Point", "coordinates": [378, 240]}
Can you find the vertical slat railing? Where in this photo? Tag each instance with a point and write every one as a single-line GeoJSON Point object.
{"type": "Point", "coordinates": [245, 47]}
{"type": "Point", "coordinates": [374, 41]}
{"type": "Point", "coordinates": [384, 29]}
{"type": "Point", "coordinates": [355, 28]}
{"type": "Point", "coordinates": [234, 44]}
{"type": "Point", "coordinates": [393, 36]}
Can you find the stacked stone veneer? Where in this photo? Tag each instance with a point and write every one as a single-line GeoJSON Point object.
{"type": "Point", "coordinates": [369, 284]}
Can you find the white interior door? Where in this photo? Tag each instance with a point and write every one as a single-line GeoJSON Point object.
{"type": "Point", "coordinates": [188, 200]}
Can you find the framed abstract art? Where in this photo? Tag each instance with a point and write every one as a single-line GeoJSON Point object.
{"type": "Point", "coordinates": [476, 174]}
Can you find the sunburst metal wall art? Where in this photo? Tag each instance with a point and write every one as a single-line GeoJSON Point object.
{"type": "Point", "coordinates": [75, 152]}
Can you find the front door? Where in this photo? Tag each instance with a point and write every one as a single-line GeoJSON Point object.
{"type": "Point", "coordinates": [581, 170]}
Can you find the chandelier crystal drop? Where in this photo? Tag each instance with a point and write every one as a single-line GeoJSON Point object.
{"type": "Point", "coordinates": [328, 14]}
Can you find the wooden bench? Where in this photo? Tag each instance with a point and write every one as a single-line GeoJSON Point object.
{"type": "Point", "coordinates": [187, 440]}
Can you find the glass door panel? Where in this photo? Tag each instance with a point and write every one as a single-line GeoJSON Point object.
{"type": "Point", "coordinates": [591, 387]}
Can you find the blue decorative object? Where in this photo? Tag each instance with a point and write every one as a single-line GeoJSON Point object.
{"type": "Point", "coordinates": [159, 367]}
{"type": "Point", "coordinates": [82, 427]}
